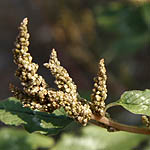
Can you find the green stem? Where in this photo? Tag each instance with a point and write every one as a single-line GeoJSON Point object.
{"type": "Point", "coordinates": [111, 105]}
{"type": "Point", "coordinates": [107, 123]}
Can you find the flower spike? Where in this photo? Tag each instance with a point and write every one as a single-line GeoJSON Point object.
{"type": "Point", "coordinates": [99, 91]}
{"type": "Point", "coordinates": [77, 109]}
{"type": "Point", "coordinates": [35, 89]}
{"type": "Point", "coordinates": [36, 93]}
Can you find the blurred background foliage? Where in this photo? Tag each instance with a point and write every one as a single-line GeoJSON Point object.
{"type": "Point", "coordinates": [16, 139]}
{"type": "Point", "coordinates": [82, 32]}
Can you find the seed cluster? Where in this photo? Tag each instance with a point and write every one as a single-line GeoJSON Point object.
{"type": "Point", "coordinates": [36, 93]}
{"type": "Point", "coordinates": [99, 91]}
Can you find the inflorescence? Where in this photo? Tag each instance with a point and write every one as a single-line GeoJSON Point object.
{"type": "Point", "coordinates": [37, 94]}
{"type": "Point", "coordinates": [99, 91]}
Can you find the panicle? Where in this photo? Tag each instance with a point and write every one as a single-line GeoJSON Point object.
{"type": "Point", "coordinates": [37, 94]}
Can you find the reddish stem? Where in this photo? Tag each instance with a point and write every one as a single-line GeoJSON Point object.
{"type": "Point", "coordinates": [104, 121]}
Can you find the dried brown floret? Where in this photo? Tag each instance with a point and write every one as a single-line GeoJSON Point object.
{"type": "Point", "coordinates": [99, 91]}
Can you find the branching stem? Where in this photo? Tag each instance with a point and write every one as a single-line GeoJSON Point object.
{"type": "Point", "coordinates": [104, 121]}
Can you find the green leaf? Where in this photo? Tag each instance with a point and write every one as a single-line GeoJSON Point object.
{"type": "Point", "coordinates": [16, 139]}
{"type": "Point", "coordinates": [13, 113]}
{"type": "Point", "coordinates": [96, 138]}
{"type": "Point", "coordinates": [136, 101]}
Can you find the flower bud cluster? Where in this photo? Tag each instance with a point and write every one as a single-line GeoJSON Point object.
{"type": "Point", "coordinates": [99, 91]}
{"type": "Point", "coordinates": [63, 80]}
{"type": "Point", "coordinates": [71, 103]}
{"type": "Point", "coordinates": [146, 120]}
{"type": "Point", "coordinates": [35, 89]}
{"type": "Point", "coordinates": [36, 93]}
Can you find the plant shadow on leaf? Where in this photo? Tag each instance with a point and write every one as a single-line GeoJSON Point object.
{"type": "Point", "coordinates": [13, 113]}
